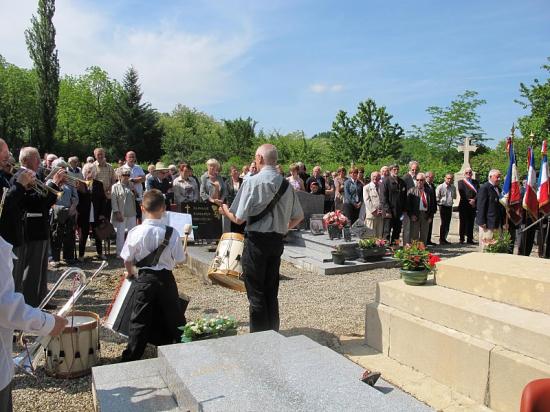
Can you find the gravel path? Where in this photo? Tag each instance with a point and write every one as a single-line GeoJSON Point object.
{"type": "Point", "coordinates": [320, 307]}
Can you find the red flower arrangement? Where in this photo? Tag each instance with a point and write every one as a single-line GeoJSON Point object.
{"type": "Point", "coordinates": [335, 218]}
{"type": "Point", "coordinates": [416, 257]}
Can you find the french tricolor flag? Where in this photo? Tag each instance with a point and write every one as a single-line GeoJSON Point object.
{"type": "Point", "coordinates": [511, 195]}
{"type": "Point", "coordinates": [543, 193]}
{"type": "Point", "coordinates": [530, 200]}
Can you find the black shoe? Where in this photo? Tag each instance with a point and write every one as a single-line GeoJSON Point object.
{"type": "Point", "coordinates": [370, 378]}
{"type": "Point", "coordinates": [430, 244]}
{"type": "Point", "coordinates": [444, 242]}
{"type": "Point", "coordinates": [471, 242]}
{"type": "Point", "coordinates": [50, 306]}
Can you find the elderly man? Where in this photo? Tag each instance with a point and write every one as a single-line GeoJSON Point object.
{"type": "Point", "coordinates": [374, 217]}
{"type": "Point", "coordinates": [106, 175]}
{"type": "Point", "coordinates": [467, 189]}
{"type": "Point", "coordinates": [267, 221]}
{"type": "Point", "coordinates": [445, 194]}
{"type": "Point", "coordinates": [137, 179]}
{"type": "Point", "coordinates": [490, 213]}
{"type": "Point", "coordinates": [393, 198]}
{"type": "Point", "coordinates": [420, 209]}
{"type": "Point", "coordinates": [73, 169]}
{"type": "Point", "coordinates": [410, 182]}
{"type": "Point", "coordinates": [31, 269]}
{"type": "Point", "coordinates": [384, 173]}
{"type": "Point", "coordinates": [316, 177]}
{"type": "Point", "coordinates": [431, 186]}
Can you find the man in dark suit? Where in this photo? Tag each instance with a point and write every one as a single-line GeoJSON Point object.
{"type": "Point", "coordinates": [410, 182]}
{"type": "Point", "coordinates": [467, 190]}
{"type": "Point", "coordinates": [429, 185]}
{"type": "Point", "coordinates": [393, 198]}
{"type": "Point", "coordinates": [420, 208]}
{"type": "Point", "coordinates": [316, 177]}
{"type": "Point", "coordinates": [490, 213]}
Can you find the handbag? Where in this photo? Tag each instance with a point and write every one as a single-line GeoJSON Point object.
{"type": "Point", "coordinates": [104, 230]}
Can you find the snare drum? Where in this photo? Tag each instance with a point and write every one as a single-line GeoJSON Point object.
{"type": "Point", "coordinates": [226, 270]}
{"type": "Point", "coordinates": [73, 353]}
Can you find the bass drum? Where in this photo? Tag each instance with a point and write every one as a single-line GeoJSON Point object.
{"type": "Point", "coordinates": [73, 353]}
{"type": "Point", "coordinates": [225, 269]}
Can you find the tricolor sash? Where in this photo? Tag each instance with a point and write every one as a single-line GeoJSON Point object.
{"type": "Point", "coordinates": [471, 186]}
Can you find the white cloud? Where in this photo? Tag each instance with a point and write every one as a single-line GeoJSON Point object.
{"type": "Point", "coordinates": [324, 88]}
{"type": "Point", "coordinates": [175, 66]}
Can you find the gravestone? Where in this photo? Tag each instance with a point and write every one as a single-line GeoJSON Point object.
{"type": "Point", "coordinates": [311, 205]}
{"type": "Point", "coordinates": [207, 219]}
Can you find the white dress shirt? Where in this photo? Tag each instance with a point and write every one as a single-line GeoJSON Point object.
{"type": "Point", "coordinates": [145, 238]}
{"type": "Point", "coordinates": [15, 314]}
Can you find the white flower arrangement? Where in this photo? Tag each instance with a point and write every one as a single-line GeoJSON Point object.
{"type": "Point", "coordinates": [206, 328]}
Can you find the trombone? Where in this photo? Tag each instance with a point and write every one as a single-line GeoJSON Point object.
{"type": "Point", "coordinates": [26, 359]}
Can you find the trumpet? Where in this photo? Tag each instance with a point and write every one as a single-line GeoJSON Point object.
{"type": "Point", "coordinates": [28, 358]}
{"type": "Point", "coordinates": [71, 180]}
{"type": "Point", "coordinates": [42, 188]}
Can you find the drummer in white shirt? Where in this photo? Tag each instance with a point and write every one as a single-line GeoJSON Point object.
{"type": "Point", "coordinates": [15, 314]}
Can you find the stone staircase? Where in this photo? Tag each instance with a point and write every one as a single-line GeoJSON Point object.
{"type": "Point", "coordinates": [482, 327]}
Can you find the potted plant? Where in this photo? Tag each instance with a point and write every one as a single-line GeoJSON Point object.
{"type": "Point", "coordinates": [207, 328]}
{"type": "Point", "coordinates": [371, 249]}
{"type": "Point", "coordinates": [335, 222]}
{"type": "Point", "coordinates": [500, 243]}
{"type": "Point", "coordinates": [338, 256]}
{"type": "Point", "coordinates": [416, 263]}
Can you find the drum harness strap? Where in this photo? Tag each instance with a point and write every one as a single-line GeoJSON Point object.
{"type": "Point", "coordinates": [153, 258]}
{"type": "Point", "coordinates": [271, 205]}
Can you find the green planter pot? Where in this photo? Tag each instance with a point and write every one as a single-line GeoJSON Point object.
{"type": "Point", "coordinates": [414, 277]}
{"type": "Point", "coordinates": [338, 258]}
{"type": "Point", "coordinates": [372, 254]}
{"type": "Point", "coordinates": [334, 232]}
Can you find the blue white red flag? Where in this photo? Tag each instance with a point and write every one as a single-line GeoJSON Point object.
{"type": "Point", "coordinates": [510, 197]}
{"type": "Point", "coordinates": [530, 201]}
{"type": "Point", "coordinates": [543, 194]}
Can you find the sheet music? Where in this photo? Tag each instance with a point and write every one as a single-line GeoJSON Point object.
{"type": "Point", "coordinates": [178, 222]}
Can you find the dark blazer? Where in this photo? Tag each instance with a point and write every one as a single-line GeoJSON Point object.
{"type": "Point", "coordinates": [320, 181]}
{"type": "Point", "coordinates": [86, 199]}
{"type": "Point", "coordinates": [352, 190]}
{"type": "Point", "coordinates": [466, 193]}
{"type": "Point", "coordinates": [231, 193]}
{"type": "Point", "coordinates": [413, 202]}
{"type": "Point", "coordinates": [409, 181]}
{"type": "Point", "coordinates": [11, 227]}
{"type": "Point", "coordinates": [37, 225]}
{"type": "Point", "coordinates": [433, 200]}
{"type": "Point", "coordinates": [489, 210]}
{"type": "Point", "coordinates": [393, 196]}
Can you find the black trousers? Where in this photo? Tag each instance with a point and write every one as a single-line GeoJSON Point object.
{"type": "Point", "coordinates": [446, 213]}
{"type": "Point", "coordinates": [467, 216]}
{"type": "Point", "coordinates": [351, 212]}
{"type": "Point", "coordinates": [156, 313]}
{"type": "Point", "coordinates": [392, 229]}
{"type": "Point", "coordinates": [527, 238]}
{"type": "Point", "coordinates": [63, 239]}
{"type": "Point", "coordinates": [84, 233]}
{"type": "Point", "coordinates": [261, 261]}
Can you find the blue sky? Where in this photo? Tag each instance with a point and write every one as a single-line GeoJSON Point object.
{"type": "Point", "coordinates": [291, 65]}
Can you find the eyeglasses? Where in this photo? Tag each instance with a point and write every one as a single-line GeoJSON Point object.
{"type": "Point", "coordinates": [420, 180]}
{"type": "Point", "coordinates": [125, 175]}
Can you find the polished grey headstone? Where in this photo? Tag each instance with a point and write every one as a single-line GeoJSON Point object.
{"type": "Point", "coordinates": [268, 372]}
{"type": "Point", "coordinates": [131, 387]}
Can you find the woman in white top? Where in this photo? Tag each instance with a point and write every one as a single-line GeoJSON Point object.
{"type": "Point", "coordinates": [123, 204]}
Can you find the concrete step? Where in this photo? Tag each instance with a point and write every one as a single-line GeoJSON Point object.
{"type": "Point", "coordinates": [261, 371]}
{"type": "Point", "coordinates": [489, 374]}
{"type": "Point", "coordinates": [521, 281]}
{"type": "Point", "coordinates": [133, 387]}
{"type": "Point", "coordinates": [513, 328]}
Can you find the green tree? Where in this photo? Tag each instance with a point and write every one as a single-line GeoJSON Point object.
{"type": "Point", "coordinates": [135, 124]}
{"type": "Point", "coordinates": [367, 136]}
{"type": "Point", "coordinates": [537, 100]}
{"type": "Point", "coordinates": [450, 125]}
{"type": "Point", "coordinates": [18, 105]}
{"type": "Point", "coordinates": [238, 137]}
{"type": "Point", "coordinates": [40, 38]}
{"type": "Point", "coordinates": [190, 135]}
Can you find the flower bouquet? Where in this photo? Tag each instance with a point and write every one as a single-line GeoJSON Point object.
{"type": "Point", "coordinates": [206, 328]}
{"type": "Point", "coordinates": [371, 248]}
{"type": "Point", "coordinates": [416, 263]}
{"type": "Point", "coordinates": [335, 222]}
{"type": "Point", "coordinates": [500, 243]}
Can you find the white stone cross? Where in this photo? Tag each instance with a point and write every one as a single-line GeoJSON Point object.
{"type": "Point", "coordinates": [466, 148]}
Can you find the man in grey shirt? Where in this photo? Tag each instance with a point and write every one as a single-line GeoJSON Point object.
{"type": "Point", "coordinates": [263, 245]}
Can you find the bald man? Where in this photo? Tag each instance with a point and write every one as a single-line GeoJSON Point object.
{"type": "Point", "coordinates": [269, 206]}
